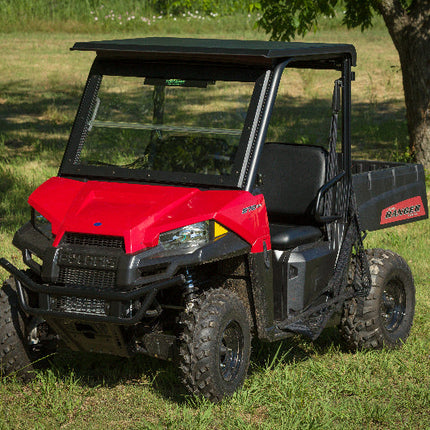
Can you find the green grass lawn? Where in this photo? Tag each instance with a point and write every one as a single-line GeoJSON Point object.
{"type": "Point", "coordinates": [293, 384]}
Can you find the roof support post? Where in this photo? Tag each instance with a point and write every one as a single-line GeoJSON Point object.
{"type": "Point", "coordinates": [261, 122]}
{"type": "Point", "coordinates": [346, 119]}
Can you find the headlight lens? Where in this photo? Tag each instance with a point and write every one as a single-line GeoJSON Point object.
{"type": "Point", "coordinates": [186, 237]}
{"type": "Point", "coordinates": [41, 224]}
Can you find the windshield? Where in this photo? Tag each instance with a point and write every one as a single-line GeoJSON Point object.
{"type": "Point", "coordinates": [153, 127]}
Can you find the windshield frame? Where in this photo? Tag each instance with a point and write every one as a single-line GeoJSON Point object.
{"type": "Point", "coordinates": [163, 70]}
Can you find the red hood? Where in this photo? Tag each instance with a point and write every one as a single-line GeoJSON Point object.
{"type": "Point", "coordinates": [139, 213]}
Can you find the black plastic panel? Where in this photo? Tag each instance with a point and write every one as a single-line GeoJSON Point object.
{"type": "Point", "coordinates": [309, 270]}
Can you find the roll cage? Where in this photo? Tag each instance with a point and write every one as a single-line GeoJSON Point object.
{"type": "Point", "coordinates": [249, 61]}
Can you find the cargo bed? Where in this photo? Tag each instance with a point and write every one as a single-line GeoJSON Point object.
{"type": "Point", "coordinates": [389, 194]}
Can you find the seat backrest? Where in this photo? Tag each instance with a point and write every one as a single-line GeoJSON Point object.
{"type": "Point", "coordinates": [291, 174]}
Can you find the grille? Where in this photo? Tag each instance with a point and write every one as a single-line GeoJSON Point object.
{"type": "Point", "coordinates": [101, 279]}
{"type": "Point", "coordinates": [80, 305]}
{"type": "Point", "coordinates": [94, 240]}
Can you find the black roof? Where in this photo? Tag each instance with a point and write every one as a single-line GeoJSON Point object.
{"type": "Point", "coordinates": [252, 52]}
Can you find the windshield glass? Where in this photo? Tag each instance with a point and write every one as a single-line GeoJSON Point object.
{"type": "Point", "coordinates": [171, 125]}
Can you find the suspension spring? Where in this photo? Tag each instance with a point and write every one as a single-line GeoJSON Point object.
{"type": "Point", "coordinates": [190, 289]}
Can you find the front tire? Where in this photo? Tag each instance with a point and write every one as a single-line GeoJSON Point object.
{"type": "Point", "coordinates": [14, 353]}
{"type": "Point", "coordinates": [383, 318]}
{"type": "Point", "coordinates": [215, 344]}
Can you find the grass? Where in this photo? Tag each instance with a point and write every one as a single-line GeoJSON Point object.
{"type": "Point", "coordinates": [293, 384]}
{"type": "Point", "coordinates": [94, 16]}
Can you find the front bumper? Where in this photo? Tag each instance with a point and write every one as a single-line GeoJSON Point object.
{"type": "Point", "coordinates": [84, 280]}
{"type": "Point", "coordinates": [118, 307]}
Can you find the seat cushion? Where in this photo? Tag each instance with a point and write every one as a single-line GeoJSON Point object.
{"type": "Point", "coordinates": [289, 236]}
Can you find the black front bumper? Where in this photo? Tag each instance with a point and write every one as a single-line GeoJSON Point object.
{"type": "Point", "coordinates": [90, 282]}
{"type": "Point", "coordinates": [114, 301]}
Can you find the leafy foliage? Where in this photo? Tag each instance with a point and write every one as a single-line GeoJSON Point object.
{"type": "Point", "coordinates": [284, 19]}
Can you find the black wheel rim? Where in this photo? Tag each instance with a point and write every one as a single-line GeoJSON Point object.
{"type": "Point", "coordinates": [231, 351]}
{"type": "Point", "coordinates": [393, 305]}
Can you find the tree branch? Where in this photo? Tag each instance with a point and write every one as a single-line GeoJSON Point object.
{"type": "Point", "coordinates": [389, 9]}
{"type": "Point", "coordinates": [396, 18]}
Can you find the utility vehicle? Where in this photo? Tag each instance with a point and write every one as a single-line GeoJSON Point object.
{"type": "Point", "coordinates": [181, 225]}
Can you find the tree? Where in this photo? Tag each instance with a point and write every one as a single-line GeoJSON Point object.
{"type": "Point", "coordinates": [408, 22]}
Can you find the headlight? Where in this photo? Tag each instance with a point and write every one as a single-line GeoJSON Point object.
{"type": "Point", "coordinates": [193, 235]}
{"type": "Point", "coordinates": [41, 224]}
{"type": "Point", "coordinates": [186, 237]}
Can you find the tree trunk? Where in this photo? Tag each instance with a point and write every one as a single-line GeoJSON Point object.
{"type": "Point", "coordinates": [158, 97]}
{"type": "Point", "coordinates": [410, 31]}
{"type": "Point", "coordinates": [415, 64]}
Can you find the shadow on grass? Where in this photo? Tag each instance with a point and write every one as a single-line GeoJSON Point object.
{"type": "Point", "coordinates": [32, 121]}
{"type": "Point", "coordinates": [295, 349]}
{"type": "Point", "coordinates": [94, 370]}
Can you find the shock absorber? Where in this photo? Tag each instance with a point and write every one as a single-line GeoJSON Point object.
{"type": "Point", "coordinates": [190, 288]}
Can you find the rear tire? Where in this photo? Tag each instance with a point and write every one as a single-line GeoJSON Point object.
{"type": "Point", "coordinates": [383, 318]}
{"type": "Point", "coordinates": [215, 344]}
{"type": "Point", "coordinates": [14, 353]}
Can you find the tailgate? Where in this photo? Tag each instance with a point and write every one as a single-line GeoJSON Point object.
{"type": "Point", "coordinates": [389, 194]}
